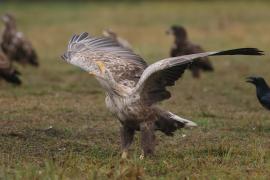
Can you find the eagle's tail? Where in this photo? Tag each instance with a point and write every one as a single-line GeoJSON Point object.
{"type": "Point", "coordinates": [33, 58]}
{"type": "Point", "coordinates": [12, 77]}
{"type": "Point", "coordinates": [169, 122]}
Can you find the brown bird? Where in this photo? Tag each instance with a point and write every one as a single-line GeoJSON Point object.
{"type": "Point", "coordinates": [7, 71]}
{"type": "Point", "coordinates": [182, 46]}
{"type": "Point", "coordinates": [122, 42]}
{"type": "Point", "coordinates": [15, 45]}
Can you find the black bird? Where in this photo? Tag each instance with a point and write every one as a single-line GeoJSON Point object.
{"type": "Point", "coordinates": [183, 46]}
{"type": "Point", "coordinates": [262, 90]}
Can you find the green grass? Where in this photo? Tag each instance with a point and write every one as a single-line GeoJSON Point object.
{"type": "Point", "coordinates": [231, 142]}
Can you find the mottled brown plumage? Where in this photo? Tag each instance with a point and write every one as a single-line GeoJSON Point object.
{"type": "Point", "coordinates": [132, 88]}
{"type": "Point", "coordinates": [182, 46]}
{"type": "Point", "coordinates": [7, 71]}
{"type": "Point", "coordinates": [15, 45]}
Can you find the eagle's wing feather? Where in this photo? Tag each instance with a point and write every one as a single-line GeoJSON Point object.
{"type": "Point", "coordinates": [125, 66]}
{"type": "Point", "coordinates": [154, 80]}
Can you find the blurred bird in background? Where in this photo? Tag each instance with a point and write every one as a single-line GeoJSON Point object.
{"type": "Point", "coordinates": [262, 90]}
{"type": "Point", "coordinates": [15, 45]}
{"type": "Point", "coordinates": [182, 46]}
{"type": "Point", "coordinates": [7, 71]}
{"type": "Point", "coordinates": [124, 43]}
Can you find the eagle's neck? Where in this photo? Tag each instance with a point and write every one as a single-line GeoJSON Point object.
{"type": "Point", "coordinates": [11, 25]}
{"type": "Point", "coordinates": [9, 30]}
{"type": "Point", "coordinates": [180, 42]}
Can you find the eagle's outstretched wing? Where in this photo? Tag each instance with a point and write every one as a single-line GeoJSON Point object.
{"type": "Point", "coordinates": [124, 65]}
{"type": "Point", "coordinates": [154, 80]}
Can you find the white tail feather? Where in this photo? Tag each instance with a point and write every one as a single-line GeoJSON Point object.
{"type": "Point", "coordinates": [187, 123]}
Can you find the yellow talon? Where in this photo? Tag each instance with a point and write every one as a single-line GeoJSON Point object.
{"type": "Point", "coordinates": [101, 66]}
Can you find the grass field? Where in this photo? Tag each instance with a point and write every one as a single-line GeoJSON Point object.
{"type": "Point", "coordinates": [56, 126]}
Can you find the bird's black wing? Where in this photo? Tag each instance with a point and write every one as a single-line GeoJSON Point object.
{"type": "Point", "coordinates": [265, 101]}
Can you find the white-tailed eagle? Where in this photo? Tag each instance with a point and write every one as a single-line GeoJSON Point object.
{"type": "Point", "coordinates": [133, 88]}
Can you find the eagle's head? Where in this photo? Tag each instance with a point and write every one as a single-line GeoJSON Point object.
{"type": "Point", "coordinates": [96, 68]}
{"type": "Point", "coordinates": [8, 18]}
{"type": "Point", "coordinates": [178, 31]}
{"type": "Point", "coordinates": [78, 55]}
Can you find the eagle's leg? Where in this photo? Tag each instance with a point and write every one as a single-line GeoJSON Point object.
{"type": "Point", "coordinates": [195, 72]}
{"type": "Point", "coordinates": [127, 135]}
{"type": "Point", "coordinates": [147, 138]}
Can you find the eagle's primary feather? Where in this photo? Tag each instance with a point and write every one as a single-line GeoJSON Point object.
{"type": "Point", "coordinates": [133, 88]}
